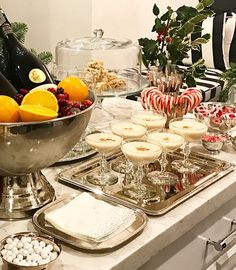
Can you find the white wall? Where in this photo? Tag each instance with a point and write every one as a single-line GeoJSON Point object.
{"type": "Point", "coordinates": [50, 21]}
{"type": "Point", "coordinates": [129, 18]}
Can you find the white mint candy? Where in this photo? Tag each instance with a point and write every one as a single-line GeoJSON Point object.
{"type": "Point", "coordinates": [35, 242]}
{"type": "Point", "coordinates": [15, 240]}
{"type": "Point", "coordinates": [16, 261]}
{"type": "Point", "coordinates": [44, 254]}
{"type": "Point", "coordinates": [27, 245]}
{"type": "Point", "coordinates": [31, 250]}
{"type": "Point", "coordinates": [13, 255]}
{"type": "Point", "coordinates": [38, 249]}
{"type": "Point", "coordinates": [29, 239]}
{"type": "Point", "coordinates": [53, 255]}
{"type": "Point", "coordinates": [49, 247]}
{"type": "Point", "coordinates": [25, 253]}
{"type": "Point", "coordinates": [9, 241]}
{"type": "Point", "coordinates": [8, 246]}
{"type": "Point", "coordinates": [20, 256]}
{"type": "Point", "coordinates": [19, 245]}
{"type": "Point", "coordinates": [15, 250]}
{"type": "Point", "coordinates": [9, 258]}
{"type": "Point", "coordinates": [37, 258]}
{"type": "Point", "coordinates": [3, 252]}
{"type": "Point", "coordinates": [42, 244]}
{"type": "Point", "coordinates": [8, 253]}
{"type": "Point", "coordinates": [23, 239]}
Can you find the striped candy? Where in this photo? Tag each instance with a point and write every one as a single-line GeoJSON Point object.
{"type": "Point", "coordinates": [153, 98]}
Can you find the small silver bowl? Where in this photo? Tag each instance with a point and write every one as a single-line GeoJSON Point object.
{"type": "Point", "coordinates": [213, 147]}
{"type": "Point", "coordinates": [35, 236]}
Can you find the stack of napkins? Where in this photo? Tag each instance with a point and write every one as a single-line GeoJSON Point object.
{"type": "Point", "coordinates": [89, 218]}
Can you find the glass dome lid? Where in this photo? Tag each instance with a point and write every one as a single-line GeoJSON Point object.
{"type": "Point", "coordinates": [97, 42]}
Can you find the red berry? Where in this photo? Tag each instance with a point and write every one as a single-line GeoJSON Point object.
{"type": "Point", "coordinates": [169, 39]}
{"type": "Point", "coordinates": [60, 90]}
{"type": "Point", "coordinates": [83, 107]}
{"type": "Point", "coordinates": [60, 96]}
{"type": "Point", "coordinates": [18, 98]}
{"type": "Point", "coordinates": [76, 105]}
{"type": "Point", "coordinates": [52, 90]}
{"type": "Point", "coordinates": [23, 92]}
{"type": "Point", "coordinates": [62, 102]}
{"type": "Point", "coordinates": [87, 102]}
{"type": "Point", "coordinates": [68, 113]}
{"type": "Point", "coordinates": [66, 95]}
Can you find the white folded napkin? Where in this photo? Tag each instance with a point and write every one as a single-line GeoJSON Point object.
{"type": "Point", "coordinates": [89, 218]}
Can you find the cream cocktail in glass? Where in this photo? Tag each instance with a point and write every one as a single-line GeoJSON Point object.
{"type": "Point", "coordinates": [140, 153]}
{"type": "Point", "coordinates": [127, 130]}
{"type": "Point", "coordinates": [170, 142]}
{"type": "Point", "coordinates": [103, 143]}
{"type": "Point", "coordinates": [149, 119]}
{"type": "Point", "coordinates": [192, 130]}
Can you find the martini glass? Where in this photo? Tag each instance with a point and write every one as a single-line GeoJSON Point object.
{"type": "Point", "coordinates": [103, 143]}
{"type": "Point", "coordinates": [170, 142]}
{"type": "Point", "coordinates": [150, 119]}
{"type": "Point", "coordinates": [127, 130]}
{"type": "Point", "coordinates": [140, 153]}
{"type": "Point", "coordinates": [192, 130]}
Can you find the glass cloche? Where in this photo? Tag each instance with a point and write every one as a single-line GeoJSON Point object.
{"type": "Point", "coordinates": [116, 54]}
{"type": "Point", "coordinates": [110, 66]}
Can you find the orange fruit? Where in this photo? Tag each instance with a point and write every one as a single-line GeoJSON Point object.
{"type": "Point", "coordinates": [35, 113]}
{"type": "Point", "coordinates": [41, 97]}
{"type": "Point", "coordinates": [9, 110]}
{"type": "Point", "coordinates": [75, 88]}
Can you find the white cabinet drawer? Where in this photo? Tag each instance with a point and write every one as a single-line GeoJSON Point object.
{"type": "Point", "coordinates": [191, 251]}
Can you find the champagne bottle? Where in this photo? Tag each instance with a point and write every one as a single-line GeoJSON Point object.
{"type": "Point", "coordinates": [6, 88]}
{"type": "Point", "coordinates": [25, 69]}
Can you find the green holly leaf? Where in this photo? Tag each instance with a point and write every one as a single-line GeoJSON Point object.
{"type": "Point", "coordinates": [162, 59]}
{"type": "Point", "coordinates": [188, 28]}
{"type": "Point", "coordinates": [190, 81]}
{"type": "Point", "coordinates": [158, 25]}
{"type": "Point", "coordinates": [197, 29]}
{"type": "Point", "coordinates": [197, 19]}
{"type": "Point", "coordinates": [166, 16]}
{"type": "Point", "coordinates": [208, 12]}
{"type": "Point", "coordinates": [207, 3]}
{"type": "Point", "coordinates": [155, 10]}
{"type": "Point", "coordinates": [200, 40]}
{"type": "Point", "coordinates": [200, 7]}
{"type": "Point", "coordinates": [206, 36]}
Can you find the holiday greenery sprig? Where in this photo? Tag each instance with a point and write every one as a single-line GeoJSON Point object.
{"type": "Point", "coordinates": [173, 40]}
{"type": "Point", "coordinates": [20, 30]}
{"type": "Point", "coordinates": [229, 76]}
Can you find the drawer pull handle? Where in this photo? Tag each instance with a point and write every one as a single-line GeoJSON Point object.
{"type": "Point", "coordinates": [221, 244]}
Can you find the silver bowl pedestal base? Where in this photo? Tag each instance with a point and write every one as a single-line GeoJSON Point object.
{"type": "Point", "coordinates": [22, 195]}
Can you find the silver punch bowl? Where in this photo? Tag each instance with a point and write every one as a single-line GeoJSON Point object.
{"type": "Point", "coordinates": [27, 148]}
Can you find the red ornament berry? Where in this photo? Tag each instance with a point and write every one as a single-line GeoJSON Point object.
{"type": "Point", "coordinates": [23, 92]}
{"type": "Point", "coordinates": [52, 90]}
{"type": "Point", "coordinates": [87, 102]}
{"type": "Point", "coordinates": [169, 39]}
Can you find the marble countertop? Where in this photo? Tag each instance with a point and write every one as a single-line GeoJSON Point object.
{"type": "Point", "coordinates": [159, 233]}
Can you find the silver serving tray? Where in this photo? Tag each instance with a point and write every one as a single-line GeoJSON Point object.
{"type": "Point", "coordinates": [106, 245]}
{"type": "Point", "coordinates": [211, 171]}
{"type": "Point", "coordinates": [75, 156]}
